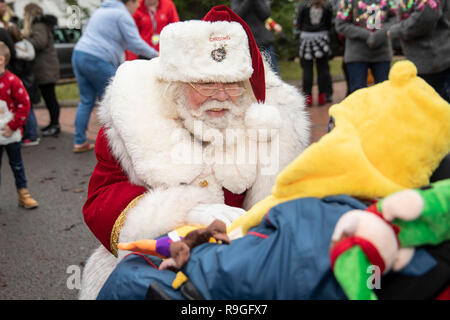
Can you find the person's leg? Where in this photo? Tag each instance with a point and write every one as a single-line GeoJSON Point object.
{"type": "Point", "coordinates": [357, 75]}
{"type": "Point", "coordinates": [16, 163]}
{"type": "Point", "coordinates": [30, 128]}
{"type": "Point", "coordinates": [14, 153]}
{"type": "Point", "coordinates": [1, 155]}
{"type": "Point", "coordinates": [270, 51]}
{"type": "Point", "coordinates": [92, 77]}
{"type": "Point", "coordinates": [323, 79]}
{"type": "Point", "coordinates": [307, 81]}
{"type": "Point", "coordinates": [440, 81]}
{"type": "Point", "coordinates": [49, 95]}
{"type": "Point", "coordinates": [347, 81]}
{"type": "Point", "coordinates": [308, 74]}
{"type": "Point", "coordinates": [132, 278]}
{"type": "Point", "coordinates": [380, 71]}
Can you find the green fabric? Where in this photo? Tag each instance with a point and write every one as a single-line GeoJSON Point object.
{"type": "Point", "coordinates": [433, 226]}
{"type": "Point", "coordinates": [351, 271]}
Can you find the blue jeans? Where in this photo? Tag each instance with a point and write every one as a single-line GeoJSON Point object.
{"type": "Point", "coordinates": [357, 73]}
{"type": "Point", "coordinates": [440, 81]}
{"type": "Point", "coordinates": [30, 128]}
{"type": "Point", "coordinates": [92, 76]}
{"type": "Point", "coordinates": [270, 50]}
{"type": "Point", "coordinates": [13, 150]}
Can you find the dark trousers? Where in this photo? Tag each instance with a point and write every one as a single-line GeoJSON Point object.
{"type": "Point", "coordinates": [440, 81]}
{"type": "Point", "coordinates": [357, 73]}
{"type": "Point", "coordinates": [323, 75]}
{"type": "Point", "coordinates": [49, 95]}
{"type": "Point", "coordinates": [30, 127]}
{"type": "Point", "coordinates": [13, 150]}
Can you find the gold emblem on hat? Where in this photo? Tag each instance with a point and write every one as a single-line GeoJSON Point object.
{"type": "Point", "coordinates": [203, 183]}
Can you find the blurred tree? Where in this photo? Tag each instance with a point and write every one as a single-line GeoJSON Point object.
{"type": "Point", "coordinates": [196, 9]}
{"type": "Point", "coordinates": [283, 12]}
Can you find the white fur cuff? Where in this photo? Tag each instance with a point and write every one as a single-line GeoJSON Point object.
{"type": "Point", "coordinates": [160, 211]}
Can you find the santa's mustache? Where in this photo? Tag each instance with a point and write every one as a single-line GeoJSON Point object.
{"type": "Point", "coordinates": [215, 105]}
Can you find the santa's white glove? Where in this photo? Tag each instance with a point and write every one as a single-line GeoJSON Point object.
{"type": "Point", "coordinates": [204, 214]}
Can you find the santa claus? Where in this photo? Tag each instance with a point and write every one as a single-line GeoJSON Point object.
{"type": "Point", "coordinates": [197, 134]}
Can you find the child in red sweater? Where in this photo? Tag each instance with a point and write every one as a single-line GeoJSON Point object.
{"type": "Point", "coordinates": [14, 109]}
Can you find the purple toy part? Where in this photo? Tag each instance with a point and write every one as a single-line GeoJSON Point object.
{"type": "Point", "coordinates": [163, 246]}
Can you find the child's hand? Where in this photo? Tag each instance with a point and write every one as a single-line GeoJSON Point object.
{"type": "Point", "coordinates": [7, 132]}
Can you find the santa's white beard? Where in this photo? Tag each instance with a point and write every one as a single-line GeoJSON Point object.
{"type": "Point", "coordinates": [203, 126]}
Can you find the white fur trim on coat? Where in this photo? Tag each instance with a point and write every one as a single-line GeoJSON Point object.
{"type": "Point", "coordinates": [157, 212]}
{"type": "Point", "coordinates": [160, 211]}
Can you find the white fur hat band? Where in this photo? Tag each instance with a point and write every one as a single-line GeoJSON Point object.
{"type": "Point", "coordinates": [195, 50]}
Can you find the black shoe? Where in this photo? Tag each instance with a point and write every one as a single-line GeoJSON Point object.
{"type": "Point", "coordinates": [53, 131]}
{"type": "Point", "coordinates": [328, 97]}
{"type": "Point", "coordinates": [45, 128]}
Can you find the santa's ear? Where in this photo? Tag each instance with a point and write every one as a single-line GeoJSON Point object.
{"type": "Point", "coordinates": [405, 205]}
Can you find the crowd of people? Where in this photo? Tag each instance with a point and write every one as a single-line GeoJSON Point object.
{"type": "Point", "coordinates": [366, 30]}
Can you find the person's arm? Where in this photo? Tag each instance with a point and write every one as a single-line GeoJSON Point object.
{"type": "Point", "coordinates": [241, 7]}
{"type": "Point", "coordinates": [116, 210]}
{"type": "Point", "coordinates": [25, 50]}
{"type": "Point", "coordinates": [133, 40]}
{"type": "Point", "coordinates": [21, 104]}
{"type": "Point", "coordinates": [6, 38]}
{"type": "Point", "coordinates": [38, 36]}
{"type": "Point", "coordinates": [174, 13]}
{"type": "Point", "coordinates": [344, 23]}
{"type": "Point", "coordinates": [262, 9]}
{"type": "Point", "coordinates": [109, 193]}
{"type": "Point", "coordinates": [418, 24]}
{"type": "Point", "coordinates": [380, 37]}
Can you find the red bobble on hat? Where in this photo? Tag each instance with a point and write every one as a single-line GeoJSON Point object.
{"type": "Point", "coordinates": [257, 80]}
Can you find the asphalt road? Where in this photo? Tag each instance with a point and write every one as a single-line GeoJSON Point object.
{"type": "Point", "coordinates": [42, 251]}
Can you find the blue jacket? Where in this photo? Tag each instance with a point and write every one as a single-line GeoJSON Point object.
{"type": "Point", "coordinates": [285, 257]}
{"type": "Point", "coordinates": [110, 31]}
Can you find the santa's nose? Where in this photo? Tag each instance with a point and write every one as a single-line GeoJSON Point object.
{"type": "Point", "coordinates": [220, 94]}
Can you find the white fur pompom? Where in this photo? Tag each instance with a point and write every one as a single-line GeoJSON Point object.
{"type": "Point", "coordinates": [262, 116]}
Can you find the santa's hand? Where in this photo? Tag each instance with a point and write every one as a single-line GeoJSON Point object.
{"type": "Point", "coordinates": [205, 214]}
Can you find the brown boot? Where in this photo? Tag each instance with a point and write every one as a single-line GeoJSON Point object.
{"type": "Point", "coordinates": [25, 199]}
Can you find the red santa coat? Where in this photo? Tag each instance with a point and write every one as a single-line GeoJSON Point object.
{"type": "Point", "coordinates": [110, 192]}
{"type": "Point", "coordinates": [166, 13]}
{"type": "Point", "coordinates": [16, 97]}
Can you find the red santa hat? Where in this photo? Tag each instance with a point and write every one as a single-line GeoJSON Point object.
{"type": "Point", "coordinates": [218, 48]}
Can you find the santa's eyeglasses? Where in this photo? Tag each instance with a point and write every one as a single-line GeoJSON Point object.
{"type": "Point", "coordinates": [208, 89]}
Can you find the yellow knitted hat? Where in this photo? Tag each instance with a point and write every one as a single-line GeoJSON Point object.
{"type": "Point", "coordinates": [388, 137]}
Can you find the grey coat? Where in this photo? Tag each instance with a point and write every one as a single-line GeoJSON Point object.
{"type": "Point", "coordinates": [255, 13]}
{"type": "Point", "coordinates": [425, 38]}
{"type": "Point", "coordinates": [46, 64]}
{"type": "Point", "coordinates": [361, 44]}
